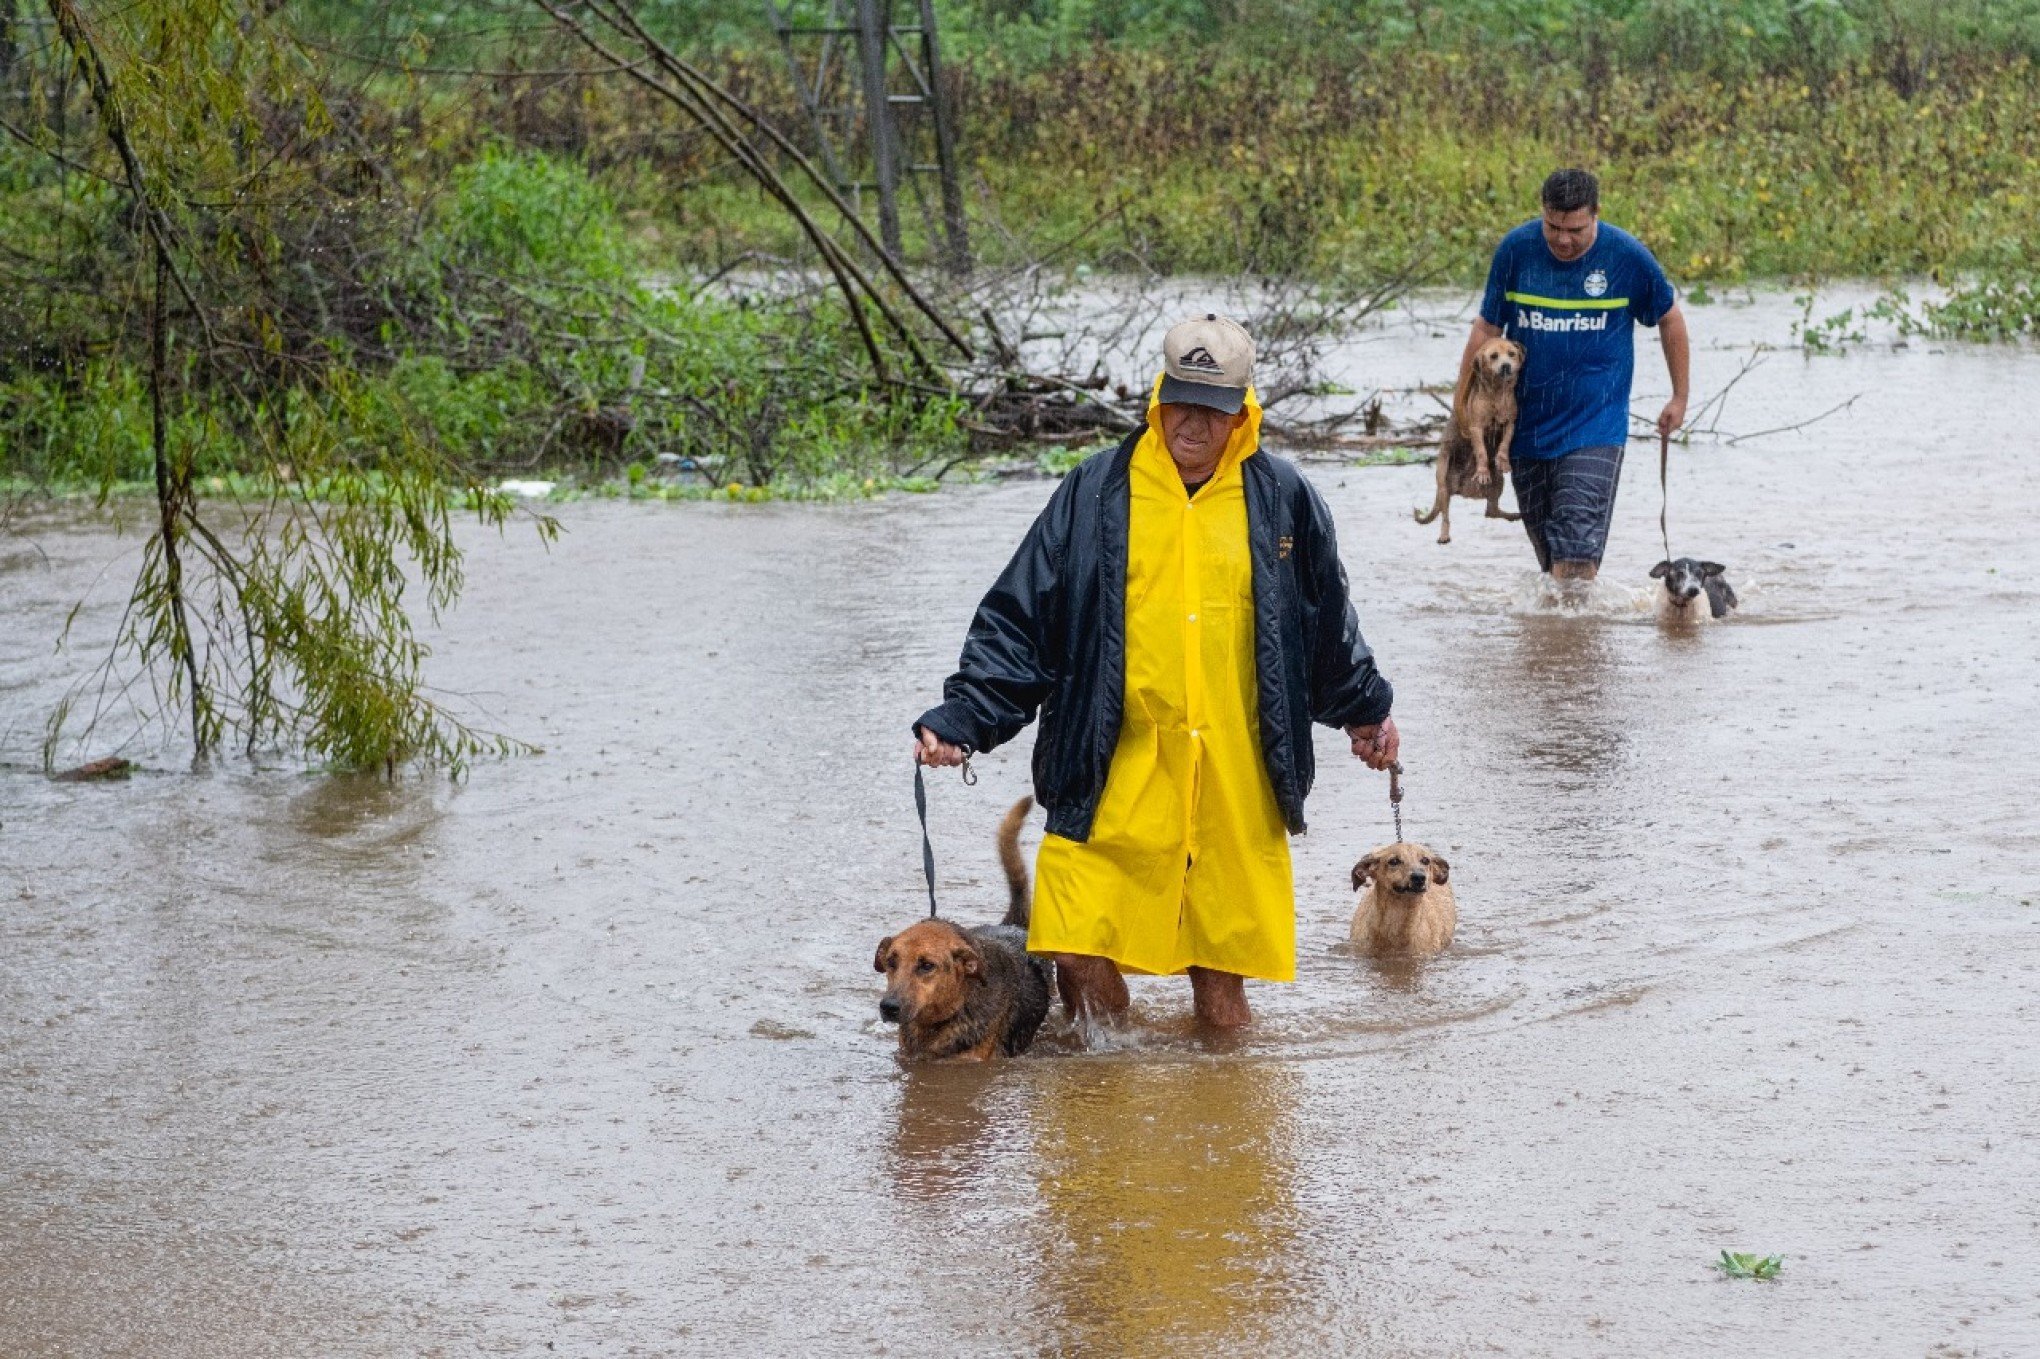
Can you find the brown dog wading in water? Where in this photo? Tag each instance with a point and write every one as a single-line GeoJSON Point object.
{"type": "Point", "coordinates": [1474, 456]}
{"type": "Point", "coordinates": [1410, 911]}
{"type": "Point", "coordinates": [969, 993]}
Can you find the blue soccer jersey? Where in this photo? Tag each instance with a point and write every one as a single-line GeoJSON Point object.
{"type": "Point", "coordinates": [1576, 320]}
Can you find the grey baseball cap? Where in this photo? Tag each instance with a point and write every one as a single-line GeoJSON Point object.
{"type": "Point", "coordinates": [1208, 360]}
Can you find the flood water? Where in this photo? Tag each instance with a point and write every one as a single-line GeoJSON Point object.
{"type": "Point", "coordinates": [583, 1057]}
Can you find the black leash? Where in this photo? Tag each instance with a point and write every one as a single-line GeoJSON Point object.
{"type": "Point", "coordinates": [921, 807]}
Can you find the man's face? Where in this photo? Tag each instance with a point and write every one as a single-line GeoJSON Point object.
{"type": "Point", "coordinates": [1569, 234]}
{"type": "Point", "coordinates": [1196, 435]}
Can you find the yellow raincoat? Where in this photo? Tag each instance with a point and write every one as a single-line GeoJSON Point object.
{"type": "Point", "coordinates": [1188, 860]}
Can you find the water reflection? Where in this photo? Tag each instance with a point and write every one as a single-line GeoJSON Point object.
{"type": "Point", "coordinates": [1171, 1204]}
{"type": "Point", "coordinates": [943, 1134]}
{"type": "Point", "coordinates": [1559, 691]}
{"type": "Point", "coordinates": [338, 805]}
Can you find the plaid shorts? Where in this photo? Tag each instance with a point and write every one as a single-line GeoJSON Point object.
{"type": "Point", "coordinates": [1567, 502]}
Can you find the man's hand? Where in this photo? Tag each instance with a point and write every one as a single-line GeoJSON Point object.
{"type": "Point", "coordinates": [933, 750]}
{"type": "Point", "coordinates": [1378, 745]}
{"type": "Point", "coordinates": [1672, 416]}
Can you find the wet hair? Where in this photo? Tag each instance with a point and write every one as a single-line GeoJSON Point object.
{"type": "Point", "coordinates": [1570, 190]}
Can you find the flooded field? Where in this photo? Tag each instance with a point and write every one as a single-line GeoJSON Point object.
{"type": "Point", "coordinates": [583, 1056]}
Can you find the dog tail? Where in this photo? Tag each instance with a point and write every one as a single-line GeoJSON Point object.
{"type": "Point", "coordinates": [1020, 902]}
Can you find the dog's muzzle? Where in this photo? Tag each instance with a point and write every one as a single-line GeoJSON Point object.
{"type": "Point", "coordinates": [889, 1010]}
{"type": "Point", "coordinates": [1416, 884]}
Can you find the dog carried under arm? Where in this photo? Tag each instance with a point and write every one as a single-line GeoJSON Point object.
{"type": "Point", "coordinates": [1474, 456]}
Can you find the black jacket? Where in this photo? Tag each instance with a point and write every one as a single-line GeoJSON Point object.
{"type": "Point", "coordinates": [1051, 634]}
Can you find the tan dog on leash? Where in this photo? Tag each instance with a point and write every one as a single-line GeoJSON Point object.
{"type": "Point", "coordinates": [1410, 911]}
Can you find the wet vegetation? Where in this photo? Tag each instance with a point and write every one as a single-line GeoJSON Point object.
{"type": "Point", "coordinates": [1770, 140]}
{"type": "Point", "coordinates": [316, 277]}
{"type": "Point", "coordinates": [314, 317]}
{"type": "Point", "coordinates": [1739, 1265]}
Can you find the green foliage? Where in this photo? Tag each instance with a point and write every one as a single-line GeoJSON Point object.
{"type": "Point", "coordinates": [181, 206]}
{"type": "Point", "coordinates": [1722, 37]}
{"type": "Point", "coordinates": [518, 334]}
{"type": "Point", "coordinates": [1988, 308]}
{"type": "Point", "coordinates": [1060, 462]}
{"type": "Point", "coordinates": [521, 215]}
{"type": "Point", "coordinates": [1736, 1265]}
{"type": "Point", "coordinates": [834, 486]}
{"type": "Point", "coordinates": [1832, 334]}
{"type": "Point", "coordinates": [1216, 162]}
{"type": "Point", "coordinates": [314, 320]}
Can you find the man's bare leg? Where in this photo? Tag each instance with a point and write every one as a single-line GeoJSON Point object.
{"type": "Point", "coordinates": [1220, 998]}
{"type": "Point", "coordinates": [1091, 987]}
{"type": "Point", "coordinates": [1582, 571]}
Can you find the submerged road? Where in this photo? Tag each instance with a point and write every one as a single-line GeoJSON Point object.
{"type": "Point", "coordinates": [582, 1056]}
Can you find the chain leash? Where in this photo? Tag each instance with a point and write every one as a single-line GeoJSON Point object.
{"type": "Point", "coordinates": [1395, 796]}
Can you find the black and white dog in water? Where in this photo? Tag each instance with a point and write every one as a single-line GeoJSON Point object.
{"type": "Point", "coordinates": [1685, 581]}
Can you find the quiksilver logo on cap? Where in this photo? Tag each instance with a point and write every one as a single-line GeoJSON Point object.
{"type": "Point", "coordinates": [1200, 358]}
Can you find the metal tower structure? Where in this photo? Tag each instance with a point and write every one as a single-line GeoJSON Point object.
{"type": "Point", "coordinates": [872, 90]}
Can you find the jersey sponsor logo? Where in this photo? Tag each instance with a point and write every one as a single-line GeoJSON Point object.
{"type": "Point", "coordinates": [1537, 320]}
{"type": "Point", "coordinates": [1597, 283]}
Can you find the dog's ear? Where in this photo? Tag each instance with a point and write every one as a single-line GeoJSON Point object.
{"type": "Point", "coordinates": [1364, 870]}
{"type": "Point", "coordinates": [966, 959]}
{"type": "Point", "coordinates": [878, 958]}
{"type": "Point", "coordinates": [1444, 873]}
{"type": "Point", "coordinates": [1711, 568]}
{"type": "Point", "coordinates": [1661, 570]}
{"type": "Point", "coordinates": [1521, 353]}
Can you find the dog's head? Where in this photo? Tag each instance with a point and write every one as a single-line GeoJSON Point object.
{"type": "Point", "coordinates": [929, 969]}
{"type": "Point", "coordinates": [1404, 867]}
{"type": "Point", "coordinates": [1686, 579]}
{"type": "Point", "coordinates": [1499, 361]}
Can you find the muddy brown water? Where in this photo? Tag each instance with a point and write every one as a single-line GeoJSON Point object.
{"type": "Point", "coordinates": [582, 1056]}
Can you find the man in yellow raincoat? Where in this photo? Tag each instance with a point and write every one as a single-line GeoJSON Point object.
{"type": "Point", "coordinates": [1179, 616]}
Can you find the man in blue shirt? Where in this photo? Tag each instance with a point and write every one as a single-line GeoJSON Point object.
{"type": "Point", "coordinates": [1570, 289]}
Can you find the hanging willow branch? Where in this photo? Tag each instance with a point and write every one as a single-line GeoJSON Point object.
{"type": "Point", "coordinates": [290, 627]}
{"type": "Point", "coordinates": [173, 484]}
